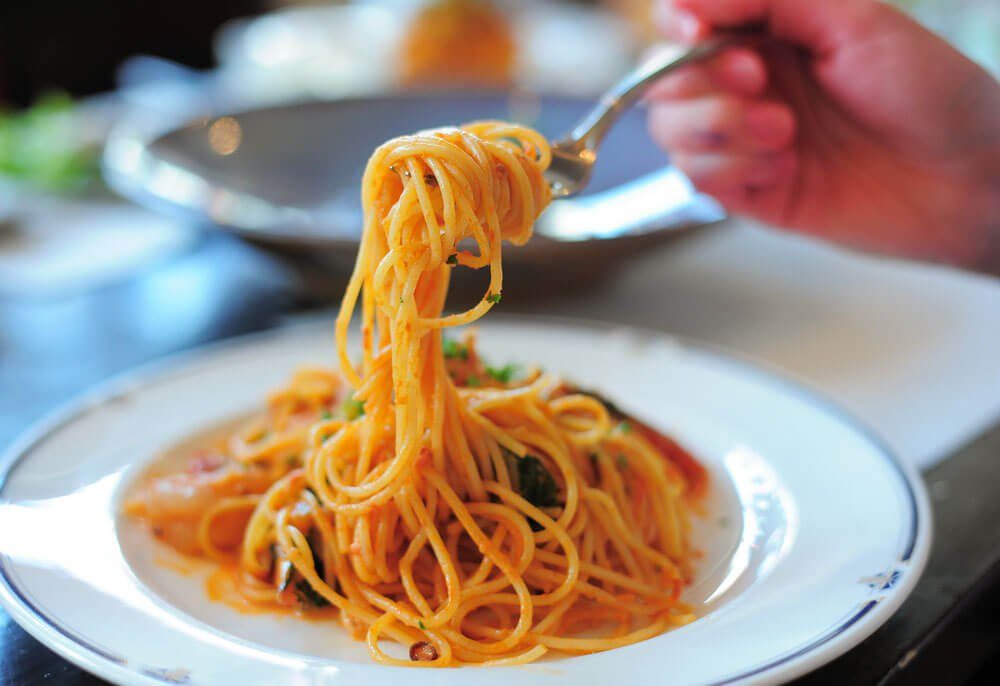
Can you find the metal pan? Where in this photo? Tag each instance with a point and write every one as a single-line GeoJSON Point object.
{"type": "Point", "coordinates": [288, 178]}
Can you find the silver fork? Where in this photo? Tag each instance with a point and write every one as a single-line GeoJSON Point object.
{"type": "Point", "coordinates": [574, 156]}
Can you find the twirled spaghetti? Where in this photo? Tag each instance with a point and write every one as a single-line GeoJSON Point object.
{"type": "Point", "coordinates": [473, 514]}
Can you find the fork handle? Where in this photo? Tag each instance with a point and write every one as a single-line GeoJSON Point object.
{"type": "Point", "coordinates": [589, 133]}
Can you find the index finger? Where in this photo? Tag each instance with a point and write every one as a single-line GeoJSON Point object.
{"type": "Point", "coordinates": [678, 24]}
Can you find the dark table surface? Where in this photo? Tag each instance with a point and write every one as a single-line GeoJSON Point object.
{"type": "Point", "coordinates": [52, 348]}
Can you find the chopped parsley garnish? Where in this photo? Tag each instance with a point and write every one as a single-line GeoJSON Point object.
{"type": "Point", "coordinates": [453, 259]}
{"type": "Point", "coordinates": [309, 596]}
{"type": "Point", "coordinates": [306, 594]}
{"type": "Point", "coordinates": [535, 483]}
{"type": "Point", "coordinates": [455, 350]}
{"type": "Point", "coordinates": [326, 414]}
{"type": "Point", "coordinates": [532, 480]}
{"type": "Point", "coordinates": [494, 297]}
{"type": "Point", "coordinates": [420, 623]}
{"type": "Point", "coordinates": [624, 427]}
{"type": "Point", "coordinates": [353, 409]}
{"type": "Point", "coordinates": [502, 374]}
{"type": "Point", "coordinates": [472, 381]}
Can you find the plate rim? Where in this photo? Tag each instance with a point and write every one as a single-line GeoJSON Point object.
{"type": "Point", "coordinates": [856, 626]}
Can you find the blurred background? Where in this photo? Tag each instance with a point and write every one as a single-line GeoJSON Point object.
{"type": "Point", "coordinates": [79, 48]}
{"type": "Point", "coordinates": [143, 89]}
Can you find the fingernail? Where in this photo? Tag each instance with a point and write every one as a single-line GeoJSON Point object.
{"type": "Point", "coordinates": [690, 26]}
{"type": "Point", "coordinates": [770, 123]}
{"type": "Point", "coordinates": [743, 70]}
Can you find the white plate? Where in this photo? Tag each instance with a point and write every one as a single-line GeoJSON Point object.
{"type": "Point", "coordinates": [814, 534]}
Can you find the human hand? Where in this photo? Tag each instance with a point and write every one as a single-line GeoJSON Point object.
{"type": "Point", "coordinates": [854, 124]}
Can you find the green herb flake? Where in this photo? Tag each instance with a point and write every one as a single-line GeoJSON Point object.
{"type": "Point", "coordinates": [454, 350]}
{"type": "Point", "coordinates": [353, 409]}
{"type": "Point", "coordinates": [622, 461]}
{"type": "Point", "coordinates": [494, 297]}
{"type": "Point", "coordinates": [326, 414]}
{"type": "Point", "coordinates": [502, 374]}
{"type": "Point", "coordinates": [453, 259]}
{"type": "Point", "coordinates": [624, 427]}
{"type": "Point", "coordinates": [472, 381]}
{"type": "Point", "coordinates": [420, 623]}
{"type": "Point", "coordinates": [309, 596]}
{"type": "Point", "coordinates": [532, 480]}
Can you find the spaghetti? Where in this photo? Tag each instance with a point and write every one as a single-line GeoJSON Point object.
{"type": "Point", "coordinates": [474, 514]}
